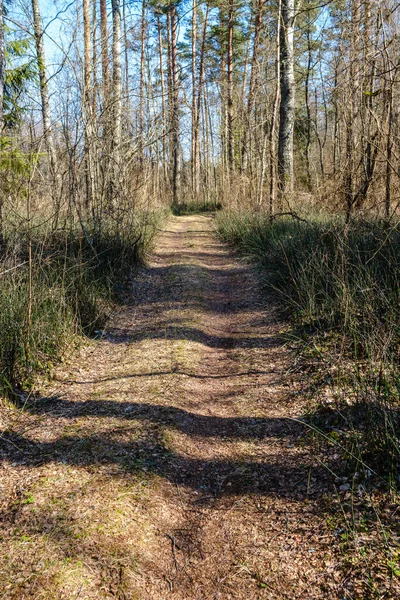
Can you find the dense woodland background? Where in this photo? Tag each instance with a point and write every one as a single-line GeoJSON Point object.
{"type": "Point", "coordinates": [285, 115]}
{"type": "Point", "coordinates": [226, 102]}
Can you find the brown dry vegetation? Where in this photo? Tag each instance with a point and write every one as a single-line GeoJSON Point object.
{"type": "Point", "coordinates": [165, 459]}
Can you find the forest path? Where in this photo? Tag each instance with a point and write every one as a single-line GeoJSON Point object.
{"type": "Point", "coordinates": [166, 465]}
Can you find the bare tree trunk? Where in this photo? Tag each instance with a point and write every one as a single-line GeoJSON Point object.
{"type": "Point", "coordinates": [142, 82]}
{"type": "Point", "coordinates": [170, 96]}
{"type": "Point", "coordinates": [95, 83]}
{"type": "Point", "coordinates": [127, 108]}
{"type": "Point", "coordinates": [2, 73]}
{"type": "Point", "coordinates": [194, 99]}
{"type": "Point", "coordinates": [198, 105]}
{"type": "Point", "coordinates": [44, 89]}
{"type": "Point", "coordinates": [104, 50]}
{"type": "Point", "coordinates": [176, 155]}
{"type": "Point", "coordinates": [274, 118]}
{"type": "Point", "coordinates": [117, 78]}
{"type": "Point", "coordinates": [87, 103]}
{"type": "Point", "coordinates": [253, 82]}
{"type": "Point", "coordinates": [353, 81]}
{"type": "Point", "coordinates": [336, 121]}
{"type": "Point", "coordinates": [287, 90]}
{"type": "Point", "coordinates": [224, 108]}
{"type": "Point", "coordinates": [229, 86]}
{"type": "Point", "coordinates": [163, 107]}
{"type": "Point", "coordinates": [307, 101]}
{"type": "Point", "coordinates": [389, 150]}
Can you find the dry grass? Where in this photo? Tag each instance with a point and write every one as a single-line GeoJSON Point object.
{"type": "Point", "coordinates": [160, 462]}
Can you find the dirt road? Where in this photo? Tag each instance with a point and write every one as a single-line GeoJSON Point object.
{"type": "Point", "coordinates": [163, 462]}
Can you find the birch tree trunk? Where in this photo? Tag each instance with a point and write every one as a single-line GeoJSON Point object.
{"type": "Point", "coordinates": [44, 89]}
{"type": "Point", "coordinates": [117, 80]}
{"type": "Point", "coordinates": [104, 50]}
{"type": "Point", "coordinates": [287, 106]}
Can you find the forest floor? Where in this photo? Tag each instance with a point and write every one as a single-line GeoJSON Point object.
{"type": "Point", "coordinates": [164, 461]}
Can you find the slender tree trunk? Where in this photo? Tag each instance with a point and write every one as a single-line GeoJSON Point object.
{"type": "Point", "coordinates": [44, 89]}
{"type": "Point", "coordinates": [142, 82]}
{"type": "Point", "coordinates": [229, 86]}
{"type": "Point", "coordinates": [224, 109]}
{"type": "Point", "coordinates": [170, 96]}
{"type": "Point", "coordinates": [336, 133]}
{"type": "Point", "coordinates": [104, 50]}
{"type": "Point", "coordinates": [307, 101]}
{"type": "Point", "coordinates": [2, 72]}
{"type": "Point", "coordinates": [253, 82]}
{"type": "Point", "coordinates": [127, 96]}
{"type": "Point", "coordinates": [163, 107]}
{"type": "Point", "coordinates": [287, 106]}
{"type": "Point", "coordinates": [274, 118]}
{"type": "Point", "coordinates": [389, 150]}
{"type": "Point", "coordinates": [243, 113]}
{"type": "Point", "coordinates": [117, 78]}
{"type": "Point", "coordinates": [353, 81]}
{"type": "Point", "coordinates": [87, 102]}
{"type": "Point", "coordinates": [198, 103]}
{"type": "Point", "coordinates": [176, 157]}
{"type": "Point", "coordinates": [95, 82]}
{"type": "Point", "coordinates": [194, 98]}
{"type": "Point", "coordinates": [320, 142]}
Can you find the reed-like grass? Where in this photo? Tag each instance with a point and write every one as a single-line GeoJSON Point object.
{"type": "Point", "coordinates": [344, 281]}
{"type": "Point", "coordinates": [54, 285]}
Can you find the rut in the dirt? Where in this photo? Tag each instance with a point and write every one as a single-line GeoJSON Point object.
{"type": "Point", "coordinates": [168, 462]}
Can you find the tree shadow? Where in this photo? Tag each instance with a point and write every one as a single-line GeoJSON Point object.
{"type": "Point", "coordinates": [193, 334]}
{"type": "Point", "coordinates": [190, 423]}
{"type": "Point", "coordinates": [277, 477]}
{"type": "Point", "coordinates": [277, 473]}
{"type": "Point", "coordinates": [165, 283]}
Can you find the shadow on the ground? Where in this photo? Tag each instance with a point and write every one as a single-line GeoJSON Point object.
{"type": "Point", "coordinates": [289, 478]}
{"type": "Point", "coordinates": [221, 289]}
{"type": "Point", "coordinates": [245, 428]}
{"type": "Point", "coordinates": [193, 334]}
{"type": "Point", "coordinates": [148, 452]}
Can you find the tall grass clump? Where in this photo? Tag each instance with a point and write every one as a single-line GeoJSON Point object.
{"type": "Point", "coordinates": [345, 280]}
{"type": "Point", "coordinates": [54, 285]}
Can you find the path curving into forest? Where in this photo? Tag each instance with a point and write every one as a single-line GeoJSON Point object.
{"type": "Point", "coordinates": [165, 461]}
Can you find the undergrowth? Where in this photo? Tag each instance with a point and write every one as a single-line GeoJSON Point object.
{"type": "Point", "coordinates": [54, 285]}
{"type": "Point", "coordinates": [340, 284]}
{"type": "Point", "coordinates": [195, 207]}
